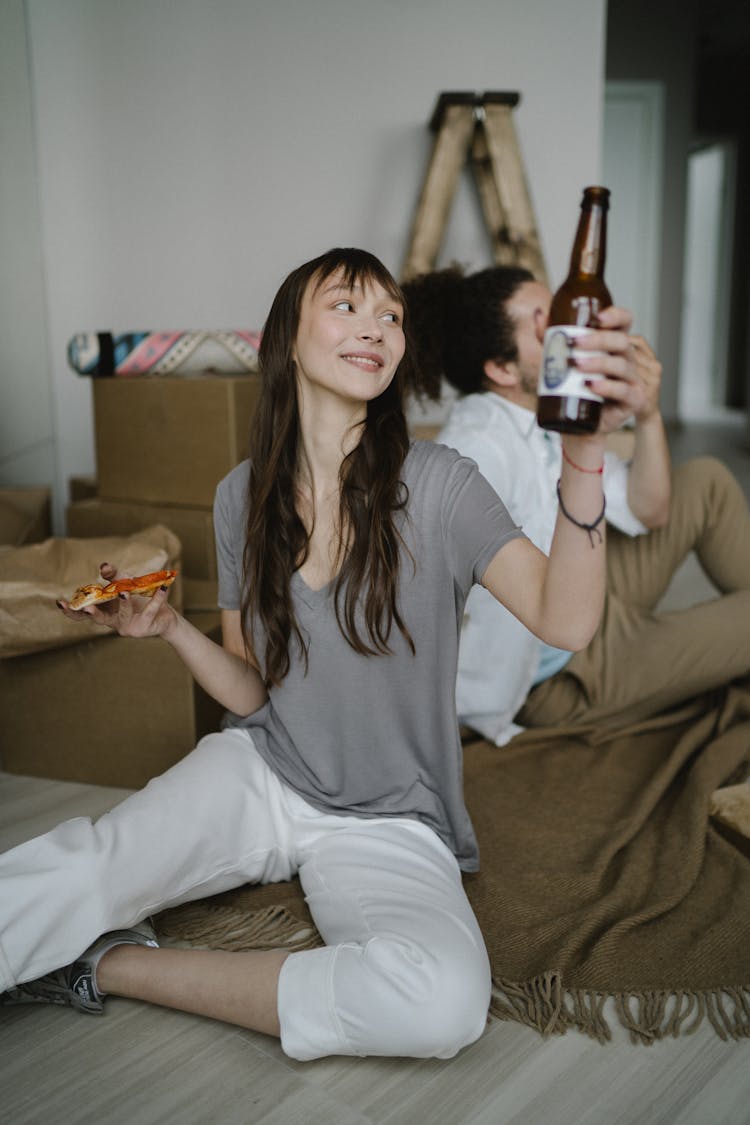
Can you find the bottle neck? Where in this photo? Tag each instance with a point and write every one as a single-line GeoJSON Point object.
{"type": "Point", "coordinates": [590, 246]}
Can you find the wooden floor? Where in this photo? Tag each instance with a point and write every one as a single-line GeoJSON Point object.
{"type": "Point", "coordinates": [138, 1065]}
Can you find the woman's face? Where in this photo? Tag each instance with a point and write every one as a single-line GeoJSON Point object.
{"type": "Point", "coordinates": [350, 339]}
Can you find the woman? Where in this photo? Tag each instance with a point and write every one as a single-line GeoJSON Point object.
{"type": "Point", "coordinates": [345, 557]}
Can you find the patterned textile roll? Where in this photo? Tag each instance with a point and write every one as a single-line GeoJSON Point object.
{"type": "Point", "coordinates": [163, 353]}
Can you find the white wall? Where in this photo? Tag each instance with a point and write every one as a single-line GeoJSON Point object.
{"type": "Point", "coordinates": [191, 152]}
{"type": "Point", "coordinates": [27, 440]}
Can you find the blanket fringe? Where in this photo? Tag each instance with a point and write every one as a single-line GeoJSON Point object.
{"type": "Point", "coordinates": [536, 1003]}
{"type": "Point", "coordinates": [546, 1006]}
{"type": "Point", "coordinates": [542, 1003]}
{"type": "Point", "coordinates": [218, 926]}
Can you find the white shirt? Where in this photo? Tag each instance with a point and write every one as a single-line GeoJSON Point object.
{"type": "Point", "coordinates": [499, 657]}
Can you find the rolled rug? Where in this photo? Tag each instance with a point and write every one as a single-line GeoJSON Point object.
{"type": "Point", "coordinates": [227, 352]}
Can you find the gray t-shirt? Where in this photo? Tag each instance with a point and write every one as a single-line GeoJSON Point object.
{"type": "Point", "coordinates": [378, 735]}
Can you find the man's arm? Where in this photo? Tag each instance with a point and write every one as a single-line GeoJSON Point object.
{"type": "Point", "coordinates": [650, 474]}
{"type": "Point", "coordinates": [560, 598]}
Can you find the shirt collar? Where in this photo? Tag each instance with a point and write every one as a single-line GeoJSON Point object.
{"type": "Point", "coordinates": [523, 419]}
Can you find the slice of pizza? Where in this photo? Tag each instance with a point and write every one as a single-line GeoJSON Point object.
{"type": "Point", "coordinates": [145, 584]}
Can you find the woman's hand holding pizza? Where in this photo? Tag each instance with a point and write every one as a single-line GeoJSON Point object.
{"type": "Point", "coordinates": [132, 607]}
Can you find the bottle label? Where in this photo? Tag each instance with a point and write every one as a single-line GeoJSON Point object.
{"type": "Point", "coordinates": [557, 376]}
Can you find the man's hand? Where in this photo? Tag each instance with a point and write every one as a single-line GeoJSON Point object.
{"type": "Point", "coordinates": [625, 372]}
{"type": "Point", "coordinates": [631, 387]}
{"type": "Point", "coordinates": [649, 371]}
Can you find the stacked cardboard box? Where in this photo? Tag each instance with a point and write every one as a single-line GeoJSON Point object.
{"type": "Point", "coordinates": [116, 710]}
{"type": "Point", "coordinates": [163, 443]}
{"type": "Point", "coordinates": [77, 702]}
{"type": "Point", "coordinates": [24, 516]}
{"type": "Point", "coordinates": [93, 517]}
{"type": "Point", "coordinates": [110, 711]}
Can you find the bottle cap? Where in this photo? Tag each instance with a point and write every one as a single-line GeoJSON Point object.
{"type": "Point", "coordinates": [596, 194]}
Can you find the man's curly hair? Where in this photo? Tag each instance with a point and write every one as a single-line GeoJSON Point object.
{"type": "Point", "coordinates": [458, 322]}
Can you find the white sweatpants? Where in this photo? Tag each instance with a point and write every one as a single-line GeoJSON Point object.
{"type": "Point", "coordinates": [405, 970]}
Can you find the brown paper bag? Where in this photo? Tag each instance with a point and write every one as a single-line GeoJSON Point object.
{"type": "Point", "coordinates": [32, 578]}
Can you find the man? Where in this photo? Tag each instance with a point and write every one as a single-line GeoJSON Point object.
{"type": "Point", "coordinates": [484, 333]}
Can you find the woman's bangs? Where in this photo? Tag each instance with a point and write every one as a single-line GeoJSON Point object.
{"type": "Point", "coordinates": [358, 268]}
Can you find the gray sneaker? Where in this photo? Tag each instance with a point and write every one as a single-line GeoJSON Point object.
{"type": "Point", "coordinates": [75, 985]}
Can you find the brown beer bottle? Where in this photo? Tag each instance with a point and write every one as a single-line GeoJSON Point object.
{"type": "Point", "coordinates": [565, 402]}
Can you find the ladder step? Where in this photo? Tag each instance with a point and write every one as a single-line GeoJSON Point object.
{"type": "Point", "coordinates": [449, 154]}
{"type": "Point", "coordinates": [518, 243]}
{"type": "Point", "coordinates": [479, 128]}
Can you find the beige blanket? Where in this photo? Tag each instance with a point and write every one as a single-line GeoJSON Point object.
{"type": "Point", "coordinates": [603, 875]}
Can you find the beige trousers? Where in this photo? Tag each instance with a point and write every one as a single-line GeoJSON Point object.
{"type": "Point", "coordinates": [642, 662]}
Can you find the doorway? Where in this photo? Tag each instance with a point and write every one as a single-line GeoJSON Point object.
{"type": "Point", "coordinates": [632, 160]}
{"type": "Point", "coordinates": [705, 325]}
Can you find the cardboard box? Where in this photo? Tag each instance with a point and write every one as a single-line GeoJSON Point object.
{"type": "Point", "coordinates": [25, 516]}
{"type": "Point", "coordinates": [425, 432]}
{"type": "Point", "coordinates": [200, 594]}
{"type": "Point", "coordinates": [82, 488]}
{"type": "Point", "coordinates": [168, 439]}
{"type": "Point", "coordinates": [207, 620]}
{"type": "Point", "coordinates": [112, 711]}
{"type": "Point", "coordinates": [194, 527]}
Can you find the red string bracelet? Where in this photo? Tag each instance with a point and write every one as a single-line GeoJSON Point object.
{"type": "Point", "coordinates": [580, 468]}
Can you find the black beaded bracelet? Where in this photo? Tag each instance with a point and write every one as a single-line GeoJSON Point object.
{"type": "Point", "coordinates": [589, 528]}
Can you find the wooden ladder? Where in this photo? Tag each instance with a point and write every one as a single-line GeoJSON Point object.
{"type": "Point", "coordinates": [479, 127]}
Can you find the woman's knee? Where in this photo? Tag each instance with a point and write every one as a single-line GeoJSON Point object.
{"type": "Point", "coordinates": [432, 1003]}
{"type": "Point", "coordinates": [457, 1015]}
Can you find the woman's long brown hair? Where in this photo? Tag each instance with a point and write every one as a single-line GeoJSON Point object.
{"type": "Point", "coordinates": [371, 490]}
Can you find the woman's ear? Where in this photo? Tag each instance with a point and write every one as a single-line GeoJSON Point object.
{"type": "Point", "coordinates": [502, 375]}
